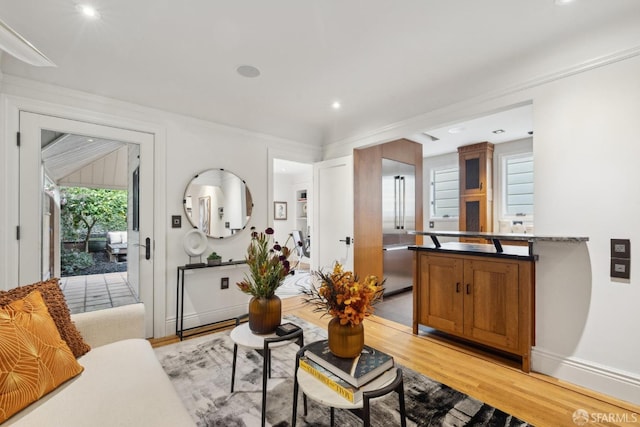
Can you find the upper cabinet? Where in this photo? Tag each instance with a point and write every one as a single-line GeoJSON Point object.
{"type": "Point", "coordinates": [476, 188]}
{"type": "Point", "coordinates": [475, 168]}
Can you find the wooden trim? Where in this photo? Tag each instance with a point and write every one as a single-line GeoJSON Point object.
{"type": "Point", "coordinates": [367, 221]}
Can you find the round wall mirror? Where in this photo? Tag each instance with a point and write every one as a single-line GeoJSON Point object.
{"type": "Point", "coordinates": [218, 203]}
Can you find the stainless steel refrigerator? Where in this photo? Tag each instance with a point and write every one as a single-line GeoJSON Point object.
{"type": "Point", "coordinates": [398, 216]}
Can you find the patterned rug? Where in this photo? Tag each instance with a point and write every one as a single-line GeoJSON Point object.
{"type": "Point", "coordinates": [293, 283]}
{"type": "Point", "coordinates": [200, 370]}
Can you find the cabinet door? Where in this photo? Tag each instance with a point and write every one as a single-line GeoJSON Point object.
{"type": "Point", "coordinates": [473, 173]}
{"type": "Point", "coordinates": [441, 295]}
{"type": "Point", "coordinates": [473, 213]}
{"type": "Point", "coordinates": [491, 292]}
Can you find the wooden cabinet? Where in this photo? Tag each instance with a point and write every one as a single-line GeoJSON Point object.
{"type": "Point", "coordinates": [476, 188]}
{"type": "Point", "coordinates": [487, 300]}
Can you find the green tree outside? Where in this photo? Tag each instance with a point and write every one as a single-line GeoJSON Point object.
{"type": "Point", "coordinates": [86, 210]}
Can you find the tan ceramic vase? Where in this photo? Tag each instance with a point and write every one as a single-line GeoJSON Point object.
{"type": "Point", "coordinates": [345, 340]}
{"type": "Point", "coordinates": [264, 314]}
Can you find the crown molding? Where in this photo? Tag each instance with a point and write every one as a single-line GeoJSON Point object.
{"type": "Point", "coordinates": [20, 48]}
{"type": "Point", "coordinates": [415, 123]}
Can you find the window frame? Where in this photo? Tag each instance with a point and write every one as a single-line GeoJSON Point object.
{"type": "Point", "coordinates": [432, 191]}
{"type": "Point", "coordinates": [504, 193]}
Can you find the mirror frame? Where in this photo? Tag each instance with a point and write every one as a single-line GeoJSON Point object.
{"type": "Point", "coordinates": [207, 203]}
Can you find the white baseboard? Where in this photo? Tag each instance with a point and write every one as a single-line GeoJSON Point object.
{"type": "Point", "coordinates": [203, 318]}
{"type": "Point", "coordinates": [603, 379]}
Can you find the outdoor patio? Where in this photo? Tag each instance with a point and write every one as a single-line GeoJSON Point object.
{"type": "Point", "coordinates": [97, 291]}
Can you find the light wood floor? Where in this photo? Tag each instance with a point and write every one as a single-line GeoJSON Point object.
{"type": "Point", "coordinates": [538, 399]}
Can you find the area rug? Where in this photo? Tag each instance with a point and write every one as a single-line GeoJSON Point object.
{"type": "Point", "coordinates": [293, 284]}
{"type": "Point", "coordinates": [200, 370]}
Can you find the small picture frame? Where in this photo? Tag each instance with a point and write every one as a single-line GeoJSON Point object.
{"type": "Point", "coordinates": [280, 210]}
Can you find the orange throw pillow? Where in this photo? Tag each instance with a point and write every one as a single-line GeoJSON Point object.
{"type": "Point", "coordinates": [34, 360]}
{"type": "Point", "coordinates": [57, 306]}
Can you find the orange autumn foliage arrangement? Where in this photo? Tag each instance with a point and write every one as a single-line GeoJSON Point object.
{"type": "Point", "coordinates": [341, 294]}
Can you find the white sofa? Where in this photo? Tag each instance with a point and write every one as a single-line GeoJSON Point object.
{"type": "Point", "coordinates": [122, 384]}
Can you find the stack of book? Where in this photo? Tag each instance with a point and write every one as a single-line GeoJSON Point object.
{"type": "Point", "coordinates": [348, 376]}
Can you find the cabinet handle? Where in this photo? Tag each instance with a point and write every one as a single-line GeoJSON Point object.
{"type": "Point", "coordinates": [468, 289]}
{"type": "Point", "coordinates": [481, 185]}
{"type": "Point", "coordinates": [457, 287]}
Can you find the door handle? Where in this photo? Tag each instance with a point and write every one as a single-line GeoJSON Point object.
{"type": "Point", "coordinates": [147, 248]}
{"type": "Point", "coordinates": [347, 240]}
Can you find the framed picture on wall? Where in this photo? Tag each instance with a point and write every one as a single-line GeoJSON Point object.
{"type": "Point", "coordinates": [280, 210]}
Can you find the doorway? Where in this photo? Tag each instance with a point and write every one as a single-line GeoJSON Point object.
{"type": "Point", "coordinates": [45, 167]}
{"type": "Point", "coordinates": [292, 196]}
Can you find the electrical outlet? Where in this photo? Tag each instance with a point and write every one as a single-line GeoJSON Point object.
{"type": "Point", "coordinates": [224, 283]}
{"type": "Point", "coordinates": [176, 221]}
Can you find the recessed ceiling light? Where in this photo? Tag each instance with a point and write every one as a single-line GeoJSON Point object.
{"type": "Point", "coordinates": [336, 105]}
{"type": "Point", "coordinates": [456, 129]}
{"type": "Point", "coordinates": [248, 71]}
{"type": "Point", "coordinates": [562, 2]}
{"type": "Point", "coordinates": [88, 11]}
{"type": "Point", "coordinates": [498, 131]}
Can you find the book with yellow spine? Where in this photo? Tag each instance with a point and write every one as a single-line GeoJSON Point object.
{"type": "Point", "coordinates": [337, 384]}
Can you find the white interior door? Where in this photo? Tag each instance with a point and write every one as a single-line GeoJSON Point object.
{"type": "Point", "coordinates": [31, 179]}
{"type": "Point", "coordinates": [333, 213]}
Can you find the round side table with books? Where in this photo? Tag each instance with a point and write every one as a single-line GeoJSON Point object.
{"type": "Point", "coordinates": [322, 386]}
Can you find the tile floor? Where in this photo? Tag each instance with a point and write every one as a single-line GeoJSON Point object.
{"type": "Point", "coordinates": [96, 292]}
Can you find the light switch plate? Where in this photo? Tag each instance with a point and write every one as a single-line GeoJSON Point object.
{"type": "Point", "coordinates": [176, 221]}
{"type": "Point", "coordinates": [621, 248]}
{"type": "Point", "coordinates": [620, 268]}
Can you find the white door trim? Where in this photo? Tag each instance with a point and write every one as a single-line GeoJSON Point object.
{"type": "Point", "coordinates": [10, 107]}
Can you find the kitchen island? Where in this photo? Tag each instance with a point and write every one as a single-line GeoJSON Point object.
{"type": "Point", "coordinates": [483, 293]}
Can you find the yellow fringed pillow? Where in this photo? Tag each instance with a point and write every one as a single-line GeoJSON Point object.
{"type": "Point", "coordinates": [58, 310]}
{"type": "Point", "coordinates": [34, 360]}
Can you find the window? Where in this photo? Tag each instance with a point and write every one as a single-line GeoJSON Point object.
{"type": "Point", "coordinates": [445, 196]}
{"type": "Point", "coordinates": [518, 185]}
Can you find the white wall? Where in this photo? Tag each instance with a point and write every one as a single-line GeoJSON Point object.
{"type": "Point", "coordinates": [283, 191]}
{"type": "Point", "coordinates": [586, 155]}
{"type": "Point", "coordinates": [185, 146]}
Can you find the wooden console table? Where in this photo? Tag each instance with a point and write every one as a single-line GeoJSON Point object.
{"type": "Point", "coordinates": [180, 295]}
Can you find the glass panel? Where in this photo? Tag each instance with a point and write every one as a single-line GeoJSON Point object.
{"type": "Point", "coordinates": [472, 176]}
{"type": "Point", "coordinates": [472, 220]}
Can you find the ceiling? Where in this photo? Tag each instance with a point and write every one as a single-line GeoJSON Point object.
{"type": "Point", "coordinates": [81, 161]}
{"type": "Point", "coordinates": [385, 61]}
